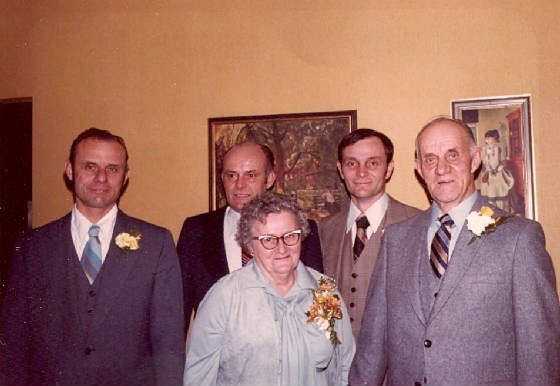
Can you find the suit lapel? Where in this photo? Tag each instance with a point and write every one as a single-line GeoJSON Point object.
{"type": "Point", "coordinates": [216, 244]}
{"type": "Point", "coordinates": [417, 243]}
{"type": "Point", "coordinates": [62, 266]}
{"type": "Point", "coordinates": [340, 236]}
{"type": "Point", "coordinates": [337, 233]}
{"type": "Point", "coordinates": [459, 263]}
{"type": "Point", "coordinates": [114, 271]}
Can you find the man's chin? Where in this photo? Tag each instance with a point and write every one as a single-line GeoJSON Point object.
{"type": "Point", "coordinates": [237, 206]}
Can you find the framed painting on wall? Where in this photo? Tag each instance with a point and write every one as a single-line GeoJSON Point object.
{"type": "Point", "coordinates": [305, 152]}
{"type": "Point", "coordinates": [502, 128]}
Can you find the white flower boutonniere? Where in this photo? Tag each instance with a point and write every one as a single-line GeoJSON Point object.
{"type": "Point", "coordinates": [325, 309]}
{"type": "Point", "coordinates": [482, 222]}
{"type": "Point", "coordinates": [128, 241]}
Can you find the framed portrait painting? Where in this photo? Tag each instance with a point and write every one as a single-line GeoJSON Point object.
{"type": "Point", "coordinates": [502, 128]}
{"type": "Point", "coordinates": [305, 152]}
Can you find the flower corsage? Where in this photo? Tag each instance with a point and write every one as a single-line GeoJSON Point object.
{"type": "Point", "coordinates": [325, 309]}
{"type": "Point", "coordinates": [482, 222]}
{"type": "Point", "coordinates": [128, 241]}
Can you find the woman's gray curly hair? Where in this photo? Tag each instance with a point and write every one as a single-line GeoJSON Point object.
{"type": "Point", "coordinates": [259, 208]}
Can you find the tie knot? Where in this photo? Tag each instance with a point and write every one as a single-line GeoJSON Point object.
{"type": "Point", "coordinates": [93, 231]}
{"type": "Point", "coordinates": [446, 220]}
{"type": "Point", "coordinates": [362, 222]}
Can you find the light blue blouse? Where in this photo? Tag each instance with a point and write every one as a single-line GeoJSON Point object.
{"type": "Point", "coordinates": [246, 334]}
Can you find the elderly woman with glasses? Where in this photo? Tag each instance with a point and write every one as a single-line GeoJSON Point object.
{"type": "Point", "coordinates": [274, 321]}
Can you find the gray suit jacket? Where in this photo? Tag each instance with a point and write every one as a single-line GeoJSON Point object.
{"type": "Point", "coordinates": [125, 329]}
{"type": "Point", "coordinates": [333, 229]}
{"type": "Point", "coordinates": [354, 285]}
{"type": "Point", "coordinates": [494, 321]}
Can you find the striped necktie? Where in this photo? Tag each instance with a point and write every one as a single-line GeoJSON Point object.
{"type": "Point", "coordinates": [91, 258]}
{"type": "Point", "coordinates": [361, 236]}
{"type": "Point", "coordinates": [439, 252]}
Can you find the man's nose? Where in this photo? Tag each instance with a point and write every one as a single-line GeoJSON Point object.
{"type": "Point", "coordinates": [442, 166]}
{"type": "Point", "coordinates": [240, 182]}
{"type": "Point", "coordinates": [101, 175]}
{"type": "Point", "coordinates": [362, 170]}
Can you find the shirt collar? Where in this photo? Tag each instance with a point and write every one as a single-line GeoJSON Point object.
{"type": "Point", "coordinates": [106, 223]}
{"type": "Point", "coordinates": [459, 213]}
{"type": "Point", "coordinates": [255, 278]}
{"type": "Point", "coordinates": [232, 219]}
{"type": "Point", "coordinates": [374, 213]}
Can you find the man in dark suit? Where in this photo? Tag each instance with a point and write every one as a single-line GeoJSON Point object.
{"type": "Point", "coordinates": [94, 297]}
{"type": "Point", "coordinates": [207, 248]}
{"type": "Point", "coordinates": [459, 295]}
{"type": "Point", "coordinates": [365, 163]}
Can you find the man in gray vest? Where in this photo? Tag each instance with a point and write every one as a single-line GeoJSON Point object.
{"type": "Point", "coordinates": [351, 238]}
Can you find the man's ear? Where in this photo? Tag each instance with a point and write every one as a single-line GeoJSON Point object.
{"type": "Point", "coordinates": [389, 171]}
{"type": "Point", "coordinates": [417, 166]}
{"type": "Point", "coordinates": [270, 179]}
{"type": "Point", "coordinates": [339, 168]}
{"type": "Point", "coordinates": [125, 180]}
{"type": "Point", "coordinates": [68, 170]}
{"type": "Point", "coordinates": [476, 159]}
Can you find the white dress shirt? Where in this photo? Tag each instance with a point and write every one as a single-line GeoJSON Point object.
{"type": "Point", "coordinates": [80, 226]}
{"type": "Point", "coordinates": [374, 214]}
{"type": "Point", "coordinates": [233, 250]}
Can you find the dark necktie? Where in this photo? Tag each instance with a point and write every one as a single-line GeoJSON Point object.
{"type": "Point", "coordinates": [439, 254]}
{"type": "Point", "coordinates": [91, 257]}
{"type": "Point", "coordinates": [361, 237]}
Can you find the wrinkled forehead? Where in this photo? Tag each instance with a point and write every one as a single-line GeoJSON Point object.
{"type": "Point", "coordinates": [101, 150]}
{"type": "Point", "coordinates": [246, 157]}
{"type": "Point", "coordinates": [442, 137]}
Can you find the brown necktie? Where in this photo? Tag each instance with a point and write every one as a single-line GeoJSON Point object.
{"type": "Point", "coordinates": [361, 237]}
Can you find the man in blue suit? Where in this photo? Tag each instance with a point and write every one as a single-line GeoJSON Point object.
{"type": "Point", "coordinates": [207, 248]}
{"type": "Point", "coordinates": [459, 296]}
{"type": "Point", "coordinates": [96, 296]}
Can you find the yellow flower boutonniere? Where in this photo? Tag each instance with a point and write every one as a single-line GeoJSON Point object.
{"type": "Point", "coordinates": [482, 222]}
{"type": "Point", "coordinates": [325, 309]}
{"type": "Point", "coordinates": [128, 242]}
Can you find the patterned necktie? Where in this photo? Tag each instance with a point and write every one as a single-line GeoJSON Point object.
{"type": "Point", "coordinates": [439, 254]}
{"type": "Point", "coordinates": [91, 258]}
{"type": "Point", "coordinates": [361, 237]}
{"type": "Point", "coordinates": [244, 258]}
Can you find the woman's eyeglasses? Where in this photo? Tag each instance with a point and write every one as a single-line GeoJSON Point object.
{"type": "Point", "coordinates": [271, 242]}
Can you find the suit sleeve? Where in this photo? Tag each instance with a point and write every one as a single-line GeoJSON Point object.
{"type": "Point", "coordinates": [536, 310]}
{"type": "Point", "coordinates": [370, 362]}
{"type": "Point", "coordinates": [166, 317]}
{"type": "Point", "coordinates": [13, 322]}
{"type": "Point", "coordinates": [311, 254]}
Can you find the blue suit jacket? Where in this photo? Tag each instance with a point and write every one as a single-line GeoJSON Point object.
{"type": "Point", "coordinates": [133, 336]}
{"type": "Point", "coordinates": [202, 255]}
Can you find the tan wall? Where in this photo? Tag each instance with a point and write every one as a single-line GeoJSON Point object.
{"type": "Point", "coordinates": [154, 71]}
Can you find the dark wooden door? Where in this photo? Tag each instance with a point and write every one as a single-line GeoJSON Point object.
{"type": "Point", "coordinates": [15, 177]}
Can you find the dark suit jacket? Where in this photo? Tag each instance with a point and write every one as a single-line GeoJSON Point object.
{"type": "Point", "coordinates": [132, 336]}
{"type": "Point", "coordinates": [202, 255]}
{"type": "Point", "coordinates": [495, 319]}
